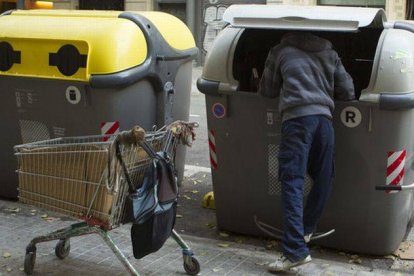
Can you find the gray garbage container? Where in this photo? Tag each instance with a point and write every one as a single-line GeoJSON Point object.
{"type": "Point", "coordinates": [374, 145]}
{"type": "Point", "coordinates": [71, 73]}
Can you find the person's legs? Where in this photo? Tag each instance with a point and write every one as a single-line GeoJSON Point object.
{"type": "Point", "coordinates": [320, 168]}
{"type": "Point", "coordinates": [297, 136]}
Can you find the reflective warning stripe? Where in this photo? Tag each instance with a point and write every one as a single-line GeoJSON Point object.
{"type": "Point", "coordinates": [109, 128]}
{"type": "Point", "coordinates": [213, 154]}
{"type": "Point", "coordinates": [395, 168]}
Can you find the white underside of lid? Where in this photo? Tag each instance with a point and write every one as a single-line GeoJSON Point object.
{"type": "Point", "coordinates": [323, 18]}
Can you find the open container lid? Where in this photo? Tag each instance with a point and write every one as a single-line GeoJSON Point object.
{"type": "Point", "coordinates": [315, 18]}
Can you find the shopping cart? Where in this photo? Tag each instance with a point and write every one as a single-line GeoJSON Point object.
{"type": "Point", "coordinates": [82, 177]}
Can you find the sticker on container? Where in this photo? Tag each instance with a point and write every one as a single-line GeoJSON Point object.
{"type": "Point", "coordinates": [18, 99]}
{"type": "Point", "coordinates": [351, 116]}
{"type": "Point", "coordinates": [219, 111]}
{"type": "Point", "coordinates": [73, 95]}
{"type": "Point", "coordinates": [395, 168]}
{"type": "Point", "coordinates": [212, 144]}
{"type": "Point", "coordinates": [109, 128]}
{"type": "Point", "coordinates": [59, 131]}
{"type": "Point", "coordinates": [270, 118]}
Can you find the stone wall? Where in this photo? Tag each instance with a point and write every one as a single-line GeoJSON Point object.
{"type": "Point", "coordinates": [395, 9]}
{"type": "Point", "coordinates": [293, 2]}
{"type": "Point", "coordinates": [130, 5]}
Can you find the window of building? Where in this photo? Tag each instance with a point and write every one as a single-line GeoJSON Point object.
{"type": "Point", "coordinates": [353, 3]}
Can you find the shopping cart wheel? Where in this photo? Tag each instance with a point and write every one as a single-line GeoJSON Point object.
{"type": "Point", "coordinates": [192, 267]}
{"type": "Point", "coordinates": [29, 261]}
{"type": "Point", "coordinates": [62, 248]}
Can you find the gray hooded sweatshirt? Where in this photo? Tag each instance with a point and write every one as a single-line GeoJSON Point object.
{"type": "Point", "coordinates": [307, 74]}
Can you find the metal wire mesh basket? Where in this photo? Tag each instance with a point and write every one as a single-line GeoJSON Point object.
{"type": "Point", "coordinates": [76, 176]}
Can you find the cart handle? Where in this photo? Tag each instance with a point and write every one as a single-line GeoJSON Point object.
{"type": "Point", "coordinates": [394, 188]}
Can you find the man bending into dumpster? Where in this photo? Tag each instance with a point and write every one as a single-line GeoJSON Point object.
{"type": "Point", "coordinates": [306, 74]}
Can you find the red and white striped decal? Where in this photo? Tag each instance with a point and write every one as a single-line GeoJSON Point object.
{"type": "Point", "coordinates": [395, 168]}
{"type": "Point", "coordinates": [109, 128]}
{"type": "Point", "coordinates": [213, 153]}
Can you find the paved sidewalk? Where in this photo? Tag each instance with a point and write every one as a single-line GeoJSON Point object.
{"type": "Point", "coordinates": [219, 254]}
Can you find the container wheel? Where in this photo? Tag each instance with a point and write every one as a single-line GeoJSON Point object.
{"type": "Point", "coordinates": [62, 249]}
{"type": "Point", "coordinates": [29, 262]}
{"type": "Point", "coordinates": [192, 267]}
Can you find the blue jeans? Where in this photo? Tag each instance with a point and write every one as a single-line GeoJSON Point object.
{"type": "Point", "coordinates": [307, 146]}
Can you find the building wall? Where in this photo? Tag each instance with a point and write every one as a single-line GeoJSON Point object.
{"type": "Point", "coordinates": [130, 5]}
{"type": "Point", "coordinates": [293, 2]}
{"type": "Point", "coordinates": [66, 4]}
{"type": "Point", "coordinates": [395, 9]}
{"type": "Point", "coordinates": [139, 5]}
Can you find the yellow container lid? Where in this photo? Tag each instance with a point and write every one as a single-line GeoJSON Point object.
{"type": "Point", "coordinates": [96, 42]}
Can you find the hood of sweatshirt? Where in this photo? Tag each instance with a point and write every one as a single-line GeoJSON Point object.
{"type": "Point", "coordinates": [306, 41]}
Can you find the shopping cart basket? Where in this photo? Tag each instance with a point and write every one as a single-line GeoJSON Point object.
{"type": "Point", "coordinates": [82, 177]}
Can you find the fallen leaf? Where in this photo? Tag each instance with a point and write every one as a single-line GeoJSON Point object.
{"type": "Point", "coordinates": [204, 175]}
{"type": "Point", "coordinates": [186, 197]}
{"type": "Point", "coordinates": [178, 216]}
{"type": "Point", "coordinates": [224, 235]}
{"type": "Point", "coordinates": [355, 261]}
{"type": "Point", "coordinates": [34, 210]}
{"type": "Point", "coordinates": [224, 245]}
{"type": "Point", "coordinates": [21, 268]}
{"type": "Point", "coordinates": [9, 269]}
{"type": "Point", "coordinates": [194, 192]}
{"type": "Point", "coordinates": [194, 182]}
{"type": "Point", "coordinates": [239, 241]}
{"type": "Point", "coordinates": [272, 242]}
{"type": "Point", "coordinates": [44, 216]}
{"type": "Point", "coordinates": [354, 257]}
{"type": "Point", "coordinates": [211, 225]}
{"type": "Point", "coordinates": [33, 214]}
{"type": "Point", "coordinates": [390, 257]}
{"type": "Point", "coordinates": [216, 269]}
{"type": "Point", "coordinates": [6, 255]}
{"type": "Point", "coordinates": [44, 254]}
{"type": "Point", "coordinates": [262, 263]}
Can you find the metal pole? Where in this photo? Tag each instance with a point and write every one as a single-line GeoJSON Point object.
{"type": "Point", "coordinates": [190, 14]}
